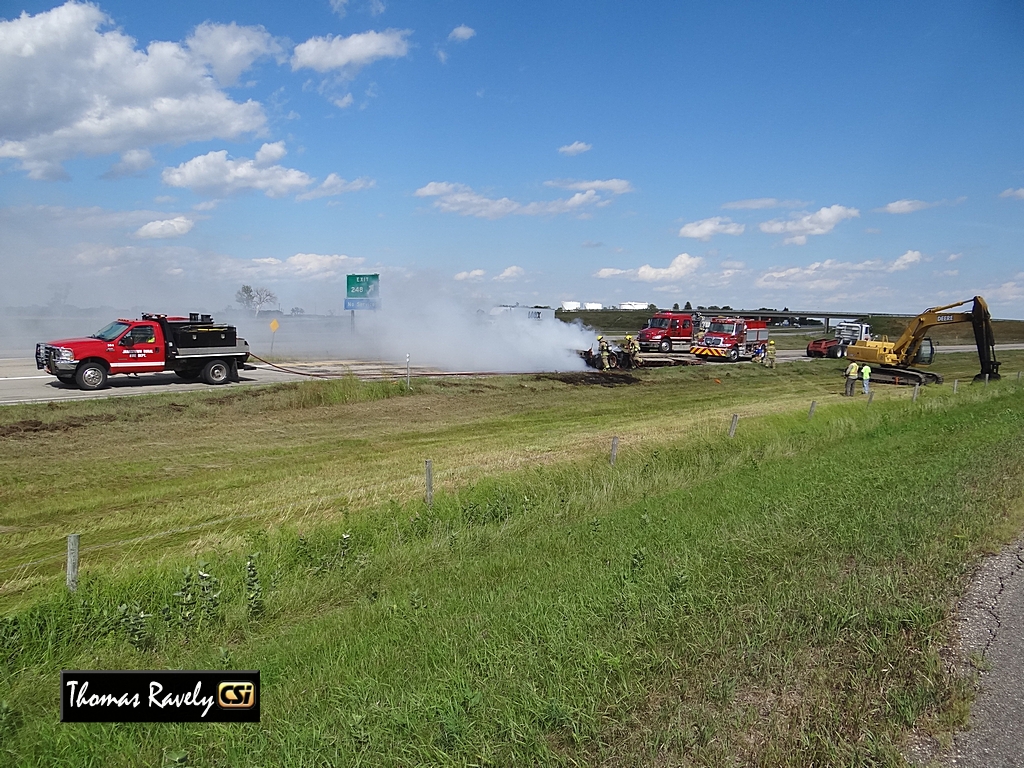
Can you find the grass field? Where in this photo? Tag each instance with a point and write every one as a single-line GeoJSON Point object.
{"type": "Point", "coordinates": [779, 598]}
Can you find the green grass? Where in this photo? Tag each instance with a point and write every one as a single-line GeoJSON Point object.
{"type": "Point", "coordinates": [778, 599]}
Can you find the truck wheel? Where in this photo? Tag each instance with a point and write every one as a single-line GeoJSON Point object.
{"type": "Point", "coordinates": [216, 372]}
{"type": "Point", "coordinates": [840, 351]}
{"type": "Point", "coordinates": [188, 375]}
{"type": "Point", "coordinates": [66, 379]}
{"type": "Point", "coordinates": [666, 345]}
{"type": "Point", "coordinates": [90, 376]}
{"type": "Point", "coordinates": [734, 355]}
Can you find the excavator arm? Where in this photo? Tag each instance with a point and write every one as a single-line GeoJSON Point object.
{"type": "Point", "coordinates": [909, 348]}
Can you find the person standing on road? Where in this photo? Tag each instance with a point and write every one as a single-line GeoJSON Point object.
{"type": "Point", "coordinates": [865, 374]}
{"type": "Point", "coordinates": [851, 377]}
{"type": "Point", "coordinates": [770, 355]}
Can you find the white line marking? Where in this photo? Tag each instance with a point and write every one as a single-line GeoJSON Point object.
{"type": "Point", "coordinates": [19, 378]}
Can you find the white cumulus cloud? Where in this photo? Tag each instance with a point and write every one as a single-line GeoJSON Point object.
{"type": "Point", "coordinates": [463, 200]}
{"type": "Point", "coordinates": [472, 274]}
{"type": "Point", "coordinates": [132, 163]}
{"type": "Point", "coordinates": [69, 85]}
{"type": "Point", "coordinates": [576, 148]}
{"type": "Point", "coordinates": [800, 226]}
{"type": "Point", "coordinates": [176, 227]}
{"type": "Point", "coordinates": [461, 34]}
{"type": "Point", "coordinates": [218, 175]}
{"type": "Point", "coordinates": [681, 266]}
{"type": "Point", "coordinates": [335, 185]}
{"type": "Point", "coordinates": [905, 206]}
{"type": "Point", "coordinates": [705, 229]}
{"type": "Point", "coordinates": [303, 266]}
{"type": "Point", "coordinates": [905, 261]}
{"type": "Point", "coordinates": [1017, 194]}
{"type": "Point", "coordinates": [511, 273]}
{"type": "Point", "coordinates": [349, 54]}
{"type": "Point", "coordinates": [229, 49]}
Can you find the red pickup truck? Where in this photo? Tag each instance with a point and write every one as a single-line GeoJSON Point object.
{"type": "Point", "coordinates": [193, 347]}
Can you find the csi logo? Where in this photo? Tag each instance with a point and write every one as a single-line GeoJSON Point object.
{"type": "Point", "coordinates": [232, 695]}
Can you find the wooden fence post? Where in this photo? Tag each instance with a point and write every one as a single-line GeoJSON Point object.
{"type": "Point", "coordinates": [73, 561]}
{"type": "Point", "coordinates": [732, 427]}
{"type": "Point", "coordinates": [615, 449]}
{"type": "Point", "coordinates": [917, 388]}
{"type": "Point", "coordinates": [430, 483]}
{"type": "Point", "coordinates": [408, 385]}
{"type": "Point", "coordinates": [956, 383]}
{"type": "Point", "coordinates": [810, 413]}
{"type": "Point", "coordinates": [871, 396]}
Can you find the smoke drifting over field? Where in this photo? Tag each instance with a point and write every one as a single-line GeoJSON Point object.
{"type": "Point", "coordinates": [444, 332]}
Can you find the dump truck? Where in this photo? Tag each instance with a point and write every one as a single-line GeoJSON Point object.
{"type": "Point", "coordinates": [194, 347]}
{"type": "Point", "coordinates": [846, 333]}
{"type": "Point", "coordinates": [893, 362]}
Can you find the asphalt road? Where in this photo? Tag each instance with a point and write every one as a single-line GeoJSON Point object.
{"type": "Point", "coordinates": [21, 382]}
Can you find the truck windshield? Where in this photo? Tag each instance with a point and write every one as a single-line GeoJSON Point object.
{"type": "Point", "coordinates": [727, 328]}
{"type": "Point", "coordinates": [657, 322]}
{"type": "Point", "coordinates": [111, 332]}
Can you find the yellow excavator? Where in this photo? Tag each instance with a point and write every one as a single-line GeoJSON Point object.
{"type": "Point", "coordinates": [895, 359]}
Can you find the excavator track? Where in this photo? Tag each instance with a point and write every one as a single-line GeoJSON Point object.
{"type": "Point", "coordinates": [907, 377]}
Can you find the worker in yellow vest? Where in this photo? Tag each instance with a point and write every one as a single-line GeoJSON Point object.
{"type": "Point", "coordinates": [865, 374]}
{"type": "Point", "coordinates": [851, 377]}
{"type": "Point", "coordinates": [769, 359]}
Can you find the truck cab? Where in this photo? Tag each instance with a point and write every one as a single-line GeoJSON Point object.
{"type": "Point", "coordinates": [731, 338]}
{"type": "Point", "coordinates": [192, 347]}
{"type": "Point", "coordinates": [666, 330]}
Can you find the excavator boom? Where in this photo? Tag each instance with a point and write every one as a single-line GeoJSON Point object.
{"type": "Point", "coordinates": [896, 358]}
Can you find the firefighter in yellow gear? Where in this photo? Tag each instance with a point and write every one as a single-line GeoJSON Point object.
{"type": "Point", "coordinates": [851, 377]}
{"type": "Point", "coordinates": [632, 347]}
{"type": "Point", "coordinates": [604, 350]}
{"type": "Point", "coordinates": [769, 357]}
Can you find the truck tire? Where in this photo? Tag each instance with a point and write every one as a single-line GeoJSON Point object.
{"type": "Point", "coordinates": [188, 374]}
{"type": "Point", "coordinates": [90, 376]}
{"type": "Point", "coordinates": [734, 355]}
{"type": "Point", "coordinates": [666, 345]}
{"type": "Point", "coordinates": [65, 379]}
{"type": "Point", "coordinates": [216, 372]}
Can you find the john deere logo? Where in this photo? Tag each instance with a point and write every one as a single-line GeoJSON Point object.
{"type": "Point", "coordinates": [232, 695]}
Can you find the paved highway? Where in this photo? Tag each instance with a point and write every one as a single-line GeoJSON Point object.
{"type": "Point", "coordinates": [21, 382]}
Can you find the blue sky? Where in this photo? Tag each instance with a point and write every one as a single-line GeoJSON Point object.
{"type": "Point", "coordinates": [836, 155]}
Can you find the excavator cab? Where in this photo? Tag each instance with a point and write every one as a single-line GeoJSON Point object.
{"type": "Point", "coordinates": [925, 353]}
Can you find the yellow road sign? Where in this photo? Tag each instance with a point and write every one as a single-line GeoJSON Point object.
{"type": "Point", "coordinates": [274, 325]}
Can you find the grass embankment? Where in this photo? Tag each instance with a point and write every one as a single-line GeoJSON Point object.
{"type": "Point", "coordinates": [774, 599]}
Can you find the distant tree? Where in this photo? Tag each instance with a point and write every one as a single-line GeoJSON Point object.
{"type": "Point", "coordinates": [298, 311]}
{"type": "Point", "coordinates": [727, 308]}
{"type": "Point", "coordinates": [261, 297]}
{"type": "Point", "coordinates": [652, 307]}
{"type": "Point", "coordinates": [687, 306]}
{"type": "Point", "coordinates": [785, 309]}
{"type": "Point", "coordinates": [245, 297]}
{"type": "Point", "coordinates": [675, 307]}
{"type": "Point", "coordinates": [701, 306]}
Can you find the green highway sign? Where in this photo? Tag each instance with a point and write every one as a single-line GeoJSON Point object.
{"type": "Point", "coordinates": [362, 292]}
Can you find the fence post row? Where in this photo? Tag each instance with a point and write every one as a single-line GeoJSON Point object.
{"type": "Point", "coordinates": [73, 540]}
{"type": "Point", "coordinates": [430, 483]}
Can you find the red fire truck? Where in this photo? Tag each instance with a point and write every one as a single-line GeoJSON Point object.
{"type": "Point", "coordinates": [667, 330]}
{"type": "Point", "coordinates": [731, 338]}
{"type": "Point", "coordinates": [193, 347]}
